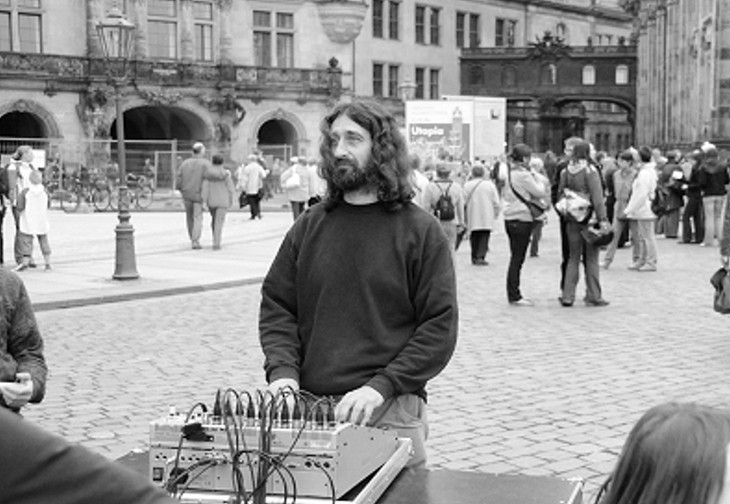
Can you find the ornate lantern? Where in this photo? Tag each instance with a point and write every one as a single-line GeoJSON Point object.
{"type": "Point", "coordinates": [342, 20]}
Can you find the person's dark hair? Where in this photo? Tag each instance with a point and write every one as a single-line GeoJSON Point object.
{"type": "Point", "coordinates": [389, 156]}
{"type": "Point", "coordinates": [626, 155]}
{"type": "Point", "coordinates": [477, 171]}
{"type": "Point", "coordinates": [675, 454]}
{"type": "Point", "coordinates": [217, 159]}
{"type": "Point", "coordinates": [521, 152]}
{"type": "Point", "coordinates": [645, 154]}
{"type": "Point", "coordinates": [581, 150]}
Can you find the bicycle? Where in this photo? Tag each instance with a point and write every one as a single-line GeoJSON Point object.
{"type": "Point", "coordinates": [139, 191]}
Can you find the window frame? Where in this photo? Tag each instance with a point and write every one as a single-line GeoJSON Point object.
{"type": "Point", "coordinates": [434, 79]}
{"type": "Point", "coordinates": [273, 34]}
{"type": "Point", "coordinates": [434, 27]}
{"type": "Point", "coordinates": [394, 20]}
{"type": "Point", "coordinates": [420, 24]}
{"type": "Point", "coordinates": [420, 77]}
{"type": "Point", "coordinates": [461, 29]}
{"type": "Point", "coordinates": [588, 75]}
{"type": "Point", "coordinates": [474, 30]}
{"type": "Point", "coordinates": [378, 18]}
{"type": "Point", "coordinates": [507, 35]}
{"type": "Point", "coordinates": [622, 70]}
{"type": "Point", "coordinates": [378, 78]}
{"type": "Point", "coordinates": [393, 79]}
{"type": "Point", "coordinates": [15, 40]}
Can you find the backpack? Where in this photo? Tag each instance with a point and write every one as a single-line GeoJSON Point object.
{"type": "Point", "coordinates": [659, 202]}
{"type": "Point", "coordinates": [445, 205]}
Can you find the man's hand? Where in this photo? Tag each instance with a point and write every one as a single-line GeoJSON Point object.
{"type": "Point", "coordinates": [725, 260]}
{"type": "Point", "coordinates": [285, 385]}
{"type": "Point", "coordinates": [358, 405]}
{"type": "Point", "coordinates": [17, 394]}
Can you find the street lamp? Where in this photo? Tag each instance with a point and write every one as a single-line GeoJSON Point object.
{"type": "Point", "coordinates": [115, 33]}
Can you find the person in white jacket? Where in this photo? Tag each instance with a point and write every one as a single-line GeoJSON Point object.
{"type": "Point", "coordinates": [639, 209]}
{"type": "Point", "coordinates": [33, 205]}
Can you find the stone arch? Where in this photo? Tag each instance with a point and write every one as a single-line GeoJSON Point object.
{"type": "Point", "coordinates": [189, 106]}
{"type": "Point", "coordinates": [281, 115]}
{"type": "Point", "coordinates": [36, 109]}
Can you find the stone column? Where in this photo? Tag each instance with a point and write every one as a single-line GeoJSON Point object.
{"type": "Point", "coordinates": [225, 52]}
{"type": "Point", "coordinates": [722, 116]}
{"type": "Point", "coordinates": [138, 16]}
{"type": "Point", "coordinates": [187, 35]}
{"type": "Point", "coordinates": [94, 13]}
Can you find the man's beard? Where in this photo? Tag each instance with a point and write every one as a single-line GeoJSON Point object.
{"type": "Point", "coordinates": [348, 175]}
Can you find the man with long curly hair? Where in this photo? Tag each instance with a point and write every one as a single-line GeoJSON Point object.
{"type": "Point", "coordinates": [360, 301]}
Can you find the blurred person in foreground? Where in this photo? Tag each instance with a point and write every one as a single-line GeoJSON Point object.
{"type": "Point", "coordinates": [677, 453]}
{"type": "Point", "coordinates": [360, 301]}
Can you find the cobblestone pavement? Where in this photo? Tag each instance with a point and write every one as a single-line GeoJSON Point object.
{"type": "Point", "coordinates": [540, 391]}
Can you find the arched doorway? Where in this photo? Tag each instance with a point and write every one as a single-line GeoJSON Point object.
{"type": "Point", "coordinates": [22, 125]}
{"type": "Point", "coordinates": [278, 138]}
{"type": "Point", "coordinates": [148, 134]}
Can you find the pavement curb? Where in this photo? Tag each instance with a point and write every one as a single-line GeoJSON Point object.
{"type": "Point", "coordinates": [135, 296]}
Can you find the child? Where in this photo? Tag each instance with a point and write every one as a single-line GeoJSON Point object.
{"type": "Point", "coordinates": [33, 206]}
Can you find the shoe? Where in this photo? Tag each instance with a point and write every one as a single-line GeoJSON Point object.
{"type": "Point", "coordinates": [647, 268]}
{"type": "Point", "coordinates": [564, 302]}
{"type": "Point", "coordinates": [534, 255]}
{"type": "Point", "coordinates": [197, 246]}
{"type": "Point", "coordinates": [605, 265]}
{"type": "Point", "coordinates": [596, 302]}
{"type": "Point", "coordinates": [522, 302]}
{"type": "Point", "coordinates": [479, 262]}
{"type": "Point", "coordinates": [32, 265]}
{"type": "Point", "coordinates": [635, 266]}
{"type": "Point", "coordinates": [48, 267]}
{"type": "Point", "coordinates": [216, 247]}
{"type": "Point", "coordinates": [21, 267]}
{"type": "Point", "coordinates": [703, 244]}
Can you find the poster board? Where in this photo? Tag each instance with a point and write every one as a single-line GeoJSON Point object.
{"type": "Point", "coordinates": [490, 125]}
{"type": "Point", "coordinates": [440, 129]}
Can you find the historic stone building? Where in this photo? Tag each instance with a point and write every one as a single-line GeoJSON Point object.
{"type": "Point", "coordinates": [684, 71]}
{"type": "Point", "coordinates": [246, 74]}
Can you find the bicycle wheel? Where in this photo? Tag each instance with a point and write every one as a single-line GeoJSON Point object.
{"type": "Point", "coordinates": [144, 197]}
{"type": "Point", "coordinates": [114, 199]}
{"type": "Point", "coordinates": [100, 197]}
{"type": "Point", "coordinates": [69, 200]}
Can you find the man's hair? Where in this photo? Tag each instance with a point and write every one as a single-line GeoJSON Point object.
{"type": "Point", "coordinates": [217, 159]}
{"type": "Point", "coordinates": [581, 150]}
{"type": "Point", "coordinates": [21, 151]}
{"type": "Point", "coordinates": [477, 171]}
{"type": "Point", "coordinates": [571, 141]}
{"type": "Point", "coordinates": [675, 453]}
{"type": "Point", "coordinates": [645, 154]}
{"type": "Point", "coordinates": [389, 156]}
{"type": "Point", "coordinates": [626, 155]}
{"type": "Point", "coordinates": [198, 148]}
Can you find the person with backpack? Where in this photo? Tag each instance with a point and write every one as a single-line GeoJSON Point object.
{"type": "Point", "coordinates": [639, 209]}
{"type": "Point", "coordinates": [445, 198]}
{"type": "Point", "coordinates": [518, 220]}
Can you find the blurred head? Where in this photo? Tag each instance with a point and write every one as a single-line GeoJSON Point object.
{"type": "Point", "coordinates": [645, 154]}
{"type": "Point", "coordinates": [477, 171]}
{"type": "Point", "coordinates": [362, 149]}
{"type": "Point", "coordinates": [35, 177]}
{"type": "Point", "coordinates": [709, 150]}
{"type": "Point", "coordinates": [537, 164]}
{"type": "Point", "coordinates": [570, 143]}
{"type": "Point", "coordinates": [675, 454]}
{"type": "Point", "coordinates": [521, 153]}
{"type": "Point", "coordinates": [217, 160]}
{"type": "Point", "coordinates": [581, 150]}
{"type": "Point", "coordinates": [625, 158]}
{"type": "Point", "coordinates": [674, 155]}
{"type": "Point", "coordinates": [198, 148]}
{"type": "Point", "coordinates": [23, 153]}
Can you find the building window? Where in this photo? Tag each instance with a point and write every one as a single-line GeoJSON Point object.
{"type": "Point", "coordinates": [622, 75]}
{"type": "Point", "coordinates": [509, 76]}
{"type": "Point", "coordinates": [561, 31]}
{"type": "Point", "coordinates": [162, 36]}
{"type": "Point", "coordinates": [433, 83]}
{"type": "Point", "coordinates": [474, 38]}
{"type": "Point", "coordinates": [393, 80]}
{"type": "Point", "coordinates": [378, 18]}
{"type": "Point", "coordinates": [589, 75]}
{"type": "Point", "coordinates": [420, 24]}
{"type": "Point", "coordinates": [476, 76]}
{"type": "Point", "coordinates": [203, 16]}
{"type": "Point", "coordinates": [505, 32]}
{"type": "Point", "coordinates": [394, 20]}
{"type": "Point", "coordinates": [266, 34]}
{"type": "Point", "coordinates": [420, 82]}
{"type": "Point", "coordinates": [435, 27]}
{"type": "Point", "coordinates": [21, 26]}
{"type": "Point", "coordinates": [377, 79]}
{"type": "Point", "coordinates": [460, 29]}
{"type": "Point", "coordinates": [549, 74]}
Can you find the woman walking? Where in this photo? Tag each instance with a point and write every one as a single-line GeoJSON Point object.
{"type": "Point", "coordinates": [218, 194]}
{"type": "Point", "coordinates": [482, 209]}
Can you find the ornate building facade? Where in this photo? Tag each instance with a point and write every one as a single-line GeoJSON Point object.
{"type": "Point", "coordinates": [247, 74]}
{"type": "Point", "coordinates": [684, 72]}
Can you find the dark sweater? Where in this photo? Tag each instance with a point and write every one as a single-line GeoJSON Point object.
{"type": "Point", "coordinates": [21, 345]}
{"type": "Point", "coordinates": [360, 296]}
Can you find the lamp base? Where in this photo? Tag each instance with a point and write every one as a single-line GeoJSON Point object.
{"type": "Point", "coordinates": [126, 261]}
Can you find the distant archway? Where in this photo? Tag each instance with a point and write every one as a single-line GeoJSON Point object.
{"type": "Point", "coordinates": [27, 119]}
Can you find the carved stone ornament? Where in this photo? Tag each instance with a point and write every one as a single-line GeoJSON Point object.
{"type": "Point", "coordinates": [548, 47]}
{"type": "Point", "coordinates": [160, 97]}
{"type": "Point", "coordinates": [342, 20]}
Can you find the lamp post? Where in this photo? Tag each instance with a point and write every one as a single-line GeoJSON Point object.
{"type": "Point", "coordinates": [115, 33]}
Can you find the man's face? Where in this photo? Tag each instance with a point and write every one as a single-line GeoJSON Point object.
{"type": "Point", "coordinates": [352, 148]}
{"type": "Point", "coordinates": [568, 151]}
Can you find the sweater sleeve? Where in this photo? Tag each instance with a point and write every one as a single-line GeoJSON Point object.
{"type": "Point", "coordinates": [595, 187]}
{"type": "Point", "coordinates": [25, 344]}
{"type": "Point", "coordinates": [278, 332]}
{"type": "Point", "coordinates": [36, 466]}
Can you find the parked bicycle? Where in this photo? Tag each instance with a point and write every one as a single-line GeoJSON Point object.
{"type": "Point", "coordinates": [139, 191]}
{"type": "Point", "coordinates": [76, 190]}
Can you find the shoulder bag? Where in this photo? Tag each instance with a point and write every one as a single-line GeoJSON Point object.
{"type": "Point", "coordinates": [536, 208]}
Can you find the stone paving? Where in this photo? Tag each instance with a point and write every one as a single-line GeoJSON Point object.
{"type": "Point", "coordinates": [540, 391]}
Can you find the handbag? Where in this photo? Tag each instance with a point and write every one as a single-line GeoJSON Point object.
{"type": "Point", "coordinates": [721, 282]}
{"type": "Point", "coordinates": [535, 207]}
{"type": "Point", "coordinates": [593, 234]}
{"type": "Point", "coordinates": [293, 182]}
{"type": "Point", "coordinates": [574, 207]}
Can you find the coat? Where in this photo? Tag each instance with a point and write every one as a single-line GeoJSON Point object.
{"type": "Point", "coordinates": [34, 217]}
{"type": "Point", "coordinates": [305, 189]}
{"type": "Point", "coordinates": [482, 204]}
{"type": "Point", "coordinates": [218, 190]}
{"type": "Point", "coordinates": [642, 192]}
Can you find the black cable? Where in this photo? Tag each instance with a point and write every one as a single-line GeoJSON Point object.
{"type": "Point", "coordinates": [329, 478]}
{"type": "Point", "coordinates": [180, 441]}
{"type": "Point", "coordinates": [205, 465]}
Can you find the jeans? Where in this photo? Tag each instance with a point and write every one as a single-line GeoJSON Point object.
{"type": "Point", "coordinates": [254, 204]}
{"type": "Point", "coordinates": [536, 235]}
{"type": "Point", "coordinates": [713, 206]}
{"type": "Point", "coordinates": [647, 243]}
{"type": "Point", "coordinates": [297, 207]}
{"type": "Point", "coordinates": [194, 219]}
{"type": "Point", "coordinates": [693, 221]}
{"type": "Point", "coordinates": [218, 217]}
{"type": "Point", "coordinates": [619, 225]}
{"type": "Point", "coordinates": [579, 248]}
{"type": "Point", "coordinates": [519, 233]}
{"type": "Point", "coordinates": [405, 414]}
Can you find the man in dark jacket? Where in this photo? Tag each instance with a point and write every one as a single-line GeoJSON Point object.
{"type": "Point", "coordinates": [713, 177]}
{"type": "Point", "coordinates": [190, 182]}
